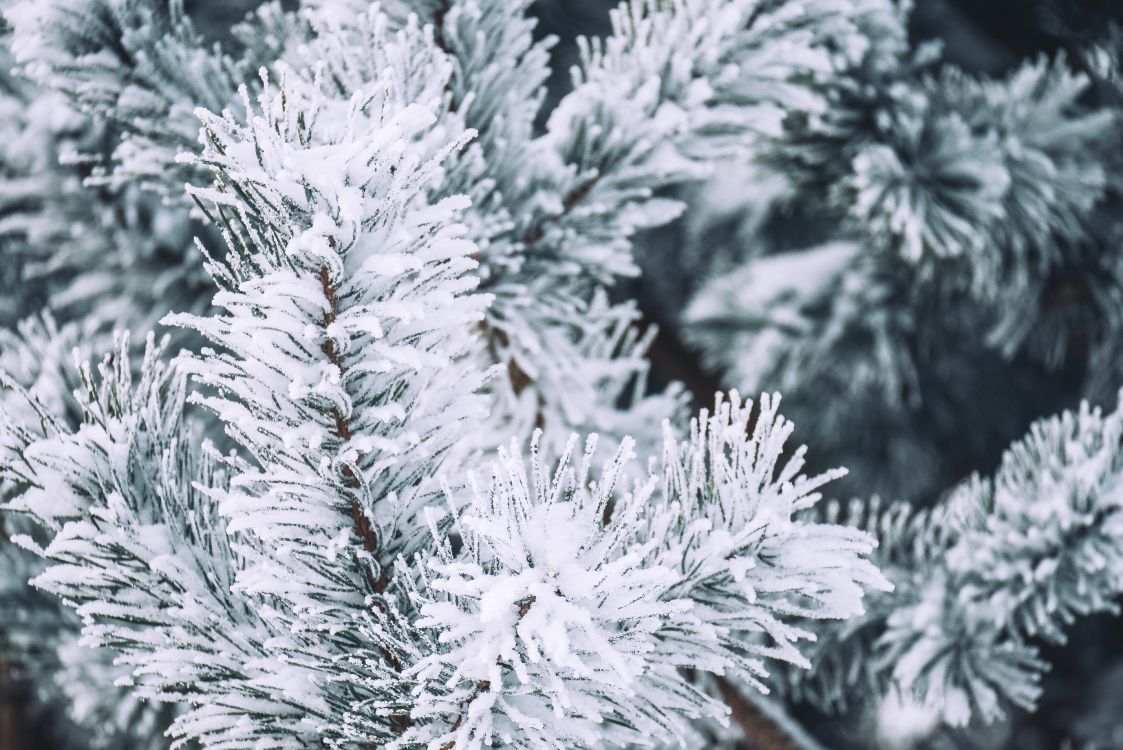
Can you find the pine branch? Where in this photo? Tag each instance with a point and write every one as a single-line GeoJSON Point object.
{"type": "Point", "coordinates": [481, 687]}
{"type": "Point", "coordinates": [525, 540]}
{"type": "Point", "coordinates": [368, 535]}
{"type": "Point", "coordinates": [363, 529]}
{"type": "Point", "coordinates": [376, 281]}
{"type": "Point", "coordinates": [346, 371]}
{"type": "Point", "coordinates": [138, 66]}
{"type": "Point", "coordinates": [1002, 565]}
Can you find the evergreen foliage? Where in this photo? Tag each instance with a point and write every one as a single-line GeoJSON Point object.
{"type": "Point", "coordinates": [385, 256]}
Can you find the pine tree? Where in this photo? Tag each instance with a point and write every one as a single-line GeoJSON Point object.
{"type": "Point", "coordinates": [337, 498]}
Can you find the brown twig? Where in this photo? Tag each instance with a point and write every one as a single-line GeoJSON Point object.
{"type": "Point", "coordinates": [8, 713]}
{"type": "Point", "coordinates": [362, 525]}
{"type": "Point", "coordinates": [762, 732]}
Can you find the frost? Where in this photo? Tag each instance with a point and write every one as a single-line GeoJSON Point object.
{"type": "Point", "coordinates": [577, 598]}
{"type": "Point", "coordinates": [404, 263]}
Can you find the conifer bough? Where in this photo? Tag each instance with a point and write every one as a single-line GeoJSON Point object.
{"type": "Point", "coordinates": [315, 525]}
